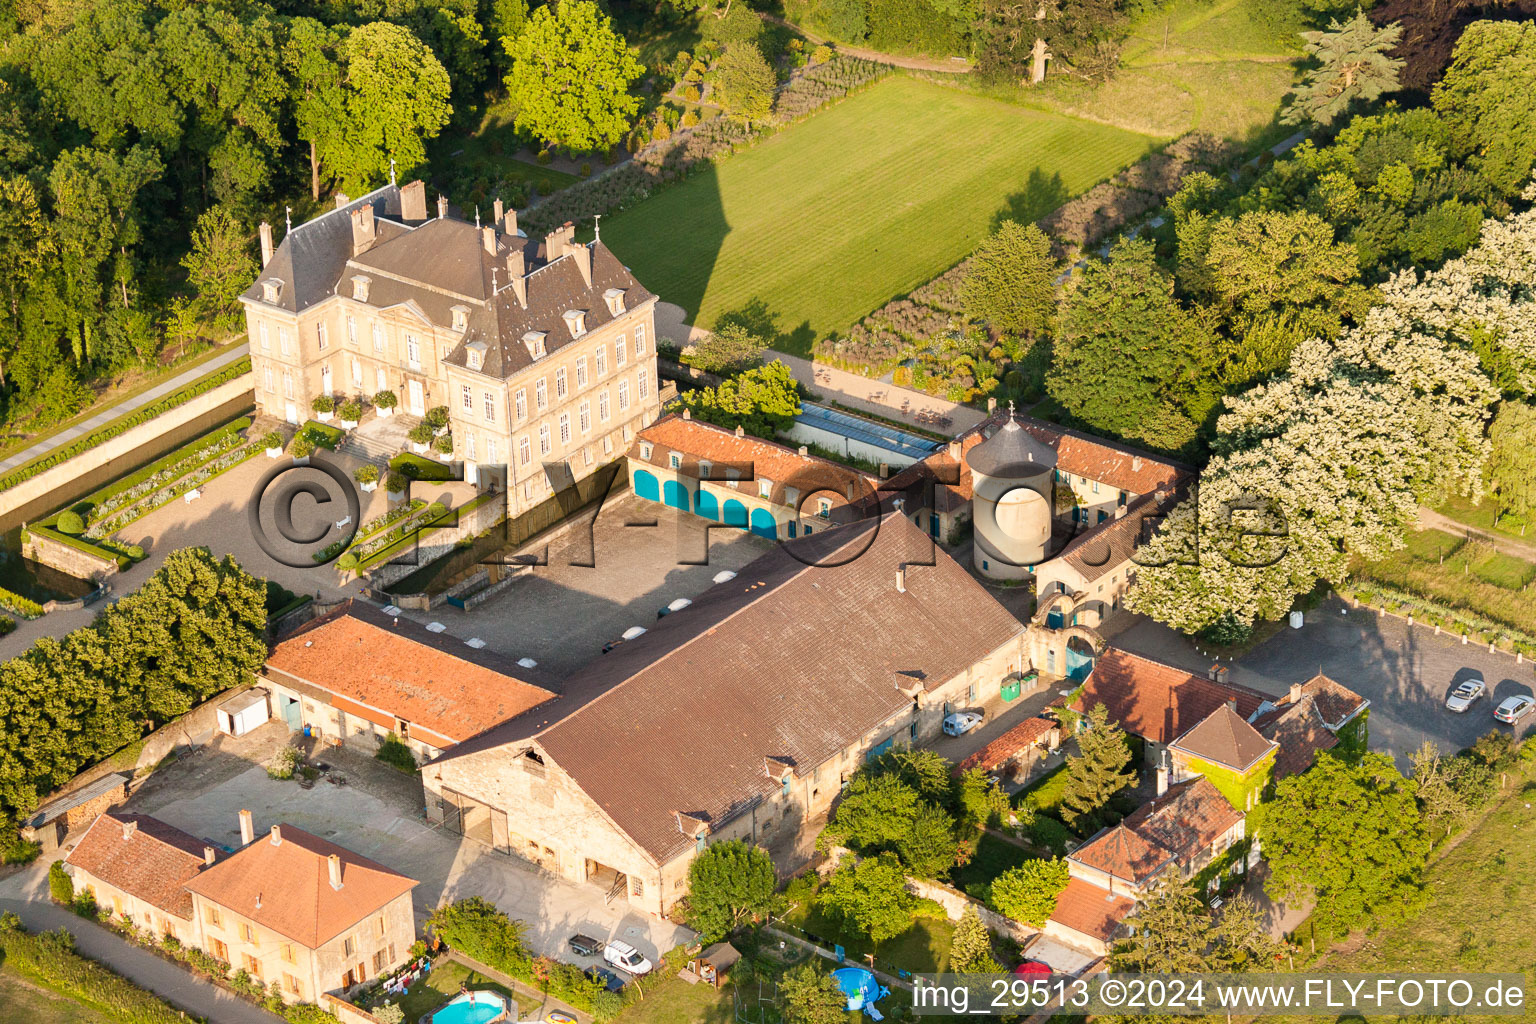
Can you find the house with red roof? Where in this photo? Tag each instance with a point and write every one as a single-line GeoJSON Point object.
{"type": "Point", "coordinates": [136, 868]}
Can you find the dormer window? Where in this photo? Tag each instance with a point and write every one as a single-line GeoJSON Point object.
{"type": "Point", "coordinates": [675, 460]}
{"type": "Point", "coordinates": [576, 322]}
{"type": "Point", "coordinates": [615, 299]}
{"type": "Point", "coordinates": [645, 449]}
{"type": "Point", "coordinates": [535, 342]}
{"type": "Point", "coordinates": [360, 288]}
{"type": "Point", "coordinates": [272, 290]}
{"type": "Point", "coordinates": [460, 318]}
{"type": "Point", "coordinates": [474, 355]}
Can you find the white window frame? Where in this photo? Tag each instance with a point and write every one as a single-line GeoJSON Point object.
{"type": "Point", "coordinates": [562, 388]}
{"type": "Point", "coordinates": [623, 395]}
{"type": "Point", "coordinates": [378, 337]}
{"type": "Point", "coordinates": [543, 439]}
{"type": "Point", "coordinates": [490, 406]}
{"type": "Point", "coordinates": [467, 396]}
{"type": "Point", "coordinates": [565, 429]}
{"type": "Point", "coordinates": [413, 351]}
{"type": "Point", "coordinates": [600, 359]}
{"type": "Point", "coordinates": [602, 406]}
{"type": "Point", "coordinates": [541, 394]}
{"type": "Point", "coordinates": [639, 340]}
{"type": "Point", "coordinates": [581, 372]}
{"type": "Point", "coordinates": [619, 355]}
{"type": "Point", "coordinates": [584, 417]}
{"type": "Point", "coordinates": [520, 402]}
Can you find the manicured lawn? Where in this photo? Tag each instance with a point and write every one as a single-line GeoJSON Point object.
{"type": "Point", "coordinates": [923, 947]}
{"type": "Point", "coordinates": [423, 468]}
{"type": "Point", "coordinates": [993, 856]}
{"type": "Point", "coordinates": [1044, 795]}
{"type": "Point", "coordinates": [864, 201]}
{"type": "Point", "coordinates": [1476, 911]}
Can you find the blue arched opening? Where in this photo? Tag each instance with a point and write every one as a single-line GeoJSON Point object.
{"type": "Point", "coordinates": [646, 486]}
{"type": "Point", "coordinates": [735, 514]}
{"type": "Point", "coordinates": [704, 504]}
{"type": "Point", "coordinates": [1079, 658]}
{"type": "Point", "coordinates": [676, 494]}
{"type": "Point", "coordinates": [763, 524]}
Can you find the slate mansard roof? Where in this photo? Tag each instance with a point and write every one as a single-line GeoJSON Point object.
{"type": "Point", "coordinates": [434, 264]}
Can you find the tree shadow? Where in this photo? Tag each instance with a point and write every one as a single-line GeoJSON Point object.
{"type": "Point", "coordinates": [758, 319]}
{"type": "Point", "coordinates": [1040, 195]}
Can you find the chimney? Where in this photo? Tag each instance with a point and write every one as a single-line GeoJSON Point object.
{"type": "Point", "coordinates": [1136, 463]}
{"type": "Point", "coordinates": [554, 245]}
{"type": "Point", "coordinates": [687, 413]}
{"type": "Point", "coordinates": [740, 432]}
{"type": "Point", "coordinates": [509, 223]}
{"type": "Point", "coordinates": [442, 206]}
{"type": "Point", "coordinates": [208, 856]}
{"type": "Point", "coordinates": [991, 405]}
{"type": "Point", "coordinates": [413, 201]}
{"type": "Point", "coordinates": [277, 835]}
{"type": "Point", "coordinates": [247, 829]}
{"type": "Point", "coordinates": [334, 862]}
{"type": "Point", "coordinates": [1232, 704]}
{"type": "Point", "coordinates": [583, 257]}
{"type": "Point", "coordinates": [901, 579]}
{"type": "Point", "coordinates": [258, 901]}
{"type": "Point", "coordinates": [1295, 693]}
{"type": "Point", "coordinates": [1162, 774]}
{"type": "Point", "coordinates": [885, 470]}
{"type": "Point", "coordinates": [363, 230]}
{"type": "Point", "coordinates": [517, 270]}
{"type": "Point", "coordinates": [488, 239]}
{"type": "Point", "coordinates": [266, 243]}
{"type": "Point", "coordinates": [954, 450]}
{"type": "Point", "coordinates": [342, 199]}
{"type": "Point", "coordinates": [129, 828]}
{"type": "Point", "coordinates": [804, 450]}
{"type": "Point", "coordinates": [496, 213]}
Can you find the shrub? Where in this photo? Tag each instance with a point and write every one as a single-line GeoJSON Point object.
{"type": "Point", "coordinates": [272, 439]}
{"type": "Point", "coordinates": [394, 752]}
{"type": "Point", "coordinates": [545, 157]}
{"type": "Point", "coordinates": [821, 54]}
{"type": "Point", "coordinates": [385, 400]}
{"type": "Point", "coordinates": [1045, 831]}
{"type": "Point", "coordinates": [70, 523]}
{"type": "Point", "coordinates": [301, 446]}
{"type": "Point", "coordinates": [60, 886]}
{"type": "Point", "coordinates": [394, 482]}
{"type": "Point", "coordinates": [422, 433]}
{"type": "Point", "coordinates": [690, 118]}
{"type": "Point", "coordinates": [366, 474]}
{"type": "Point", "coordinates": [347, 562]}
{"type": "Point", "coordinates": [283, 764]}
{"type": "Point", "coordinates": [388, 1014]}
{"type": "Point", "coordinates": [1227, 631]}
{"type": "Point", "coordinates": [51, 958]}
{"type": "Point", "coordinates": [436, 417]}
{"type": "Point", "coordinates": [85, 905]}
{"type": "Point", "coordinates": [323, 403]}
{"type": "Point", "coordinates": [586, 170]}
{"type": "Point", "coordinates": [444, 444]}
{"type": "Point", "coordinates": [1028, 892]}
{"type": "Point", "coordinates": [351, 410]}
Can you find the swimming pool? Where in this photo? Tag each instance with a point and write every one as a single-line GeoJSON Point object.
{"type": "Point", "coordinates": [472, 1008]}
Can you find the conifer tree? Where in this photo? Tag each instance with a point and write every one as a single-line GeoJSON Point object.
{"type": "Point", "coordinates": [1353, 67]}
{"type": "Point", "coordinates": [970, 951]}
{"type": "Point", "coordinates": [1098, 771]}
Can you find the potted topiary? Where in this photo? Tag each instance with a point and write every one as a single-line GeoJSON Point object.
{"type": "Point", "coordinates": [394, 484]}
{"type": "Point", "coordinates": [273, 443]}
{"type": "Point", "coordinates": [324, 406]}
{"type": "Point", "coordinates": [385, 402]}
{"type": "Point", "coordinates": [301, 448]}
{"type": "Point", "coordinates": [367, 476]}
{"type": "Point", "coordinates": [437, 419]}
{"type": "Point", "coordinates": [351, 412]}
{"type": "Point", "coordinates": [421, 437]}
{"type": "Point", "coordinates": [444, 446]}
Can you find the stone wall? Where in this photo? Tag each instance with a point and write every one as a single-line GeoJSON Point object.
{"type": "Point", "coordinates": [954, 903]}
{"type": "Point", "coordinates": [471, 524]}
{"type": "Point", "coordinates": [123, 445]}
{"type": "Point", "coordinates": [345, 1011]}
{"type": "Point", "coordinates": [67, 558]}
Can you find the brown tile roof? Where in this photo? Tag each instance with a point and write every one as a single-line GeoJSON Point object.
{"type": "Point", "coordinates": [757, 459]}
{"type": "Point", "coordinates": [1106, 546]}
{"type": "Point", "coordinates": [287, 887]}
{"type": "Point", "coordinates": [1225, 737]}
{"type": "Point", "coordinates": [153, 863]}
{"type": "Point", "coordinates": [1300, 734]}
{"type": "Point", "coordinates": [1025, 734]}
{"type": "Point", "coordinates": [1185, 821]}
{"type": "Point", "coordinates": [1089, 910]}
{"type": "Point", "coordinates": [407, 672]}
{"type": "Point", "coordinates": [788, 660]}
{"type": "Point", "coordinates": [1123, 853]}
{"type": "Point", "coordinates": [1077, 453]}
{"type": "Point", "coordinates": [1336, 703]}
{"type": "Point", "coordinates": [1155, 701]}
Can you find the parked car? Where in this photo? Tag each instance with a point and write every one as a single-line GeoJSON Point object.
{"type": "Point", "coordinates": [1515, 708]}
{"type": "Point", "coordinates": [626, 958]}
{"type": "Point", "coordinates": [1466, 693]}
{"type": "Point", "coordinates": [612, 982]}
{"type": "Point", "coordinates": [958, 723]}
{"type": "Point", "coordinates": [584, 945]}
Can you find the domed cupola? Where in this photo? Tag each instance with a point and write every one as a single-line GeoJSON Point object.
{"type": "Point", "coordinates": [1012, 480]}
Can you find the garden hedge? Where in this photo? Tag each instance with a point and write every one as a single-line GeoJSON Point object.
{"type": "Point", "coordinates": [50, 958]}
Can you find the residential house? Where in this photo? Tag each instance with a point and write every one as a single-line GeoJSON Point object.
{"type": "Point", "coordinates": [136, 868]}
{"type": "Point", "coordinates": [740, 716]}
{"type": "Point", "coordinates": [543, 350]}
{"type": "Point", "coordinates": [355, 675]}
{"type": "Point", "coordinates": [292, 908]}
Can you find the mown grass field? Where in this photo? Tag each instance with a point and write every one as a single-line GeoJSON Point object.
{"type": "Point", "coordinates": [1461, 573]}
{"type": "Point", "coordinates": [859, 203]}
{"type": "Point", "coordinates": [28, 999]}
{"type": "Point", "coordinates": [1476, 914]}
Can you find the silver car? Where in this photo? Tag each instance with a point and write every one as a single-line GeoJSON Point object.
{"type": "Point", "coordinates": [1466, 693]}
{"type": "Point", "coordinates": [1515, 708]}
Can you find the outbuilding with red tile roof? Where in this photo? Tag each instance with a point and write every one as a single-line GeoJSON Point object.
{"type": "Point", "coordinates": [137, 867]}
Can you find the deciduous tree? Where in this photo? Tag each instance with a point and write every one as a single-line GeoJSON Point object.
{"type": "Point", "coordinates": [1028, 892]}
{"type": "Point", "coordinates": [570, 78]}
{"type": "Point", "coordinates": [396, 98]}
{"type": "Point", "coordinates": [870, 897]}
{"type": "Point", "coordinates": [809, 996]}
{"type": "Point", "coordinates": [728, 884]}
{"type": "Point", "coordinates": [1010, 281]}
{"type": "Point", "coordinates": [743, 83]}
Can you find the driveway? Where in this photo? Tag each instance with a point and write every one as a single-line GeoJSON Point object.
{"type": "Point", "coordinates": [169, 981]}
{"type": "Point", "coordinates": [378, 813]}
{"type": "Point", "coordinates": [1405, 671]}
{"type": "Point", "coordinates": [561, 614]}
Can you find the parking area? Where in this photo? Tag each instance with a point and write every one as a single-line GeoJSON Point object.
{"type": "Point", "coordinates": [376, 811]}
{"type": "Point", "coordinates": [602, 577]}
{"type": "Point", "coordinates": [1405, 671]}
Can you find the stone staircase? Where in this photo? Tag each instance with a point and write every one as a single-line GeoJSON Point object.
{"type": "Point", "coordinates": [379, 439]}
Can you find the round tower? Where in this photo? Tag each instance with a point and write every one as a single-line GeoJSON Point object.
{"type": "Point", "coordinates": [1011, 474]}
